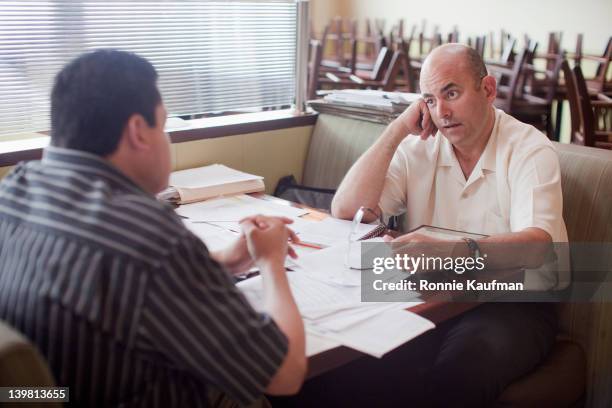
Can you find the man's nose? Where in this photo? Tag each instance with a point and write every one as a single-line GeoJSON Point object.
{"type": "Point", "coordinates": [443, 111]}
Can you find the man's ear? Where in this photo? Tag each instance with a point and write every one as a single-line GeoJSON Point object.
{"type": "Point", "coordinates": [489, 83]}
{"type": "Point", "coordinates": [135, 132]}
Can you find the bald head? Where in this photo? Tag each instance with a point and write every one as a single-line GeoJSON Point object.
{"type": "Point", "coordinates": [455, 56]}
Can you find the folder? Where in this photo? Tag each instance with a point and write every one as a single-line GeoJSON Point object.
{"type": "Point", "coordinates": [202, 183]}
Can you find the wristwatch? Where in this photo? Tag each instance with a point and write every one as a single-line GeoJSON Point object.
{"type": "Point", "coordinates": [473, 247]}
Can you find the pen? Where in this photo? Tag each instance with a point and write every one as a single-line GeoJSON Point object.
{"type": "Point", "coordinates": [309, 245]}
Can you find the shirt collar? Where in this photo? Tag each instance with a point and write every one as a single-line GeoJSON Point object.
{"type": "Point", "coordinates": [487, 159]}
{"type": "Point", "coordinates": [89, 165]}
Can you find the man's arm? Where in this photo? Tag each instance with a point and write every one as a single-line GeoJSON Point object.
{"type": "Point", "coordinates": [525, 249]}
{"type": "Point", "coordinates": [363, 184]}
{"type": "Point", "coordinates": [267, 243]}
{"type": "Point", "coordinates": [201, 323]}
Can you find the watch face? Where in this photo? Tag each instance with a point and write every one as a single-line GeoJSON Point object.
{"type": "Point", "coordinates": [473, 246]}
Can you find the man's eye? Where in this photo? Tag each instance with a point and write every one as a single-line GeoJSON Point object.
{"type": "Point", "coordinates": [452, 94]}
{"type": "Point", "coordinates": [429, 101]}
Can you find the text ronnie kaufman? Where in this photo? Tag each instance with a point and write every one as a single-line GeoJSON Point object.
{"type": "Point", "coordinates": [424, 284]}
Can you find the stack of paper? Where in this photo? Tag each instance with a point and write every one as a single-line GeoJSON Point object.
{"type": "Point", "coordinates": [334, 315]}
{"type": "Point", "coordinates": [327, 290]}
{"type": "Point", "coordinates": [370, 105]}
{"type": "Point", "coordinates": [188, 186]}
{"type": "Point", "coordinates": [380, 100]}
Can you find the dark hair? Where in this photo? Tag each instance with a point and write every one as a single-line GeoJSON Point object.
{"type": "Point", "coordinates": [476, 65]}
{"type": "Point", "coordinates": [94, 96]}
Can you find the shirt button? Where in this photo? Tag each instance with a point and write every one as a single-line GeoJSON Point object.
{"type": "Point", "coordinates": [464, 195]}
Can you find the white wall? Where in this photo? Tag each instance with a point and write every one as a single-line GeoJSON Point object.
{"type": "Point", "coordinates": [535, 17]}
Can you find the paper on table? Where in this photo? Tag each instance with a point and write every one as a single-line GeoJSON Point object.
{"type": "Point", "coordinates": [212, 181]}
{"type": "Point", "coordinates": [344, 319]}
{"type": "Point", "coordinates": [316, 344]}
{"type": "Point", "coordinates": [379, 336]}
{"type": "Point", "coordinates": [331, 305]}
{"type": "Point", "coordinates": [213, 236]}
{"type": "Point", "coordinates": [213, 175]}
{"type": "Point", "coordinates": [347, 320]}
{"type": "Point", "coordinates": [308, 293]}
{"type": "Point", "coordinates": [226, 212]}
{"type": "Point", "coordinates": [328, 265]}
{"type": "Point", "coordinates": [330, 231]}
{"type": "Point", "coordinates": [335, 264]}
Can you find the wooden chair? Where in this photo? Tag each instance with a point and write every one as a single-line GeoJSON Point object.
{"type": "Point", "coordinates": [371, 43]}
{"type": "Point", "coordinates": [530, 91]}
{"type": "Point", "coordinates": [597, 83]}
{"type": "Point", "coordinates": [478, 43]}
{"type": "Point", "coordinates": [590, 119]}
{"type": "Point", "coordinates": [410, 70]}
{"type": "Point", "coordinates": [395, 77]}
{"type": "Point", "coordinates": [453, 36]}
{"type": "Point", "coordinates": [380, 66]}
{"type": "Point", "coordinates": [339, 42]}
{"type": "Point", "coordinates": [512, 76]}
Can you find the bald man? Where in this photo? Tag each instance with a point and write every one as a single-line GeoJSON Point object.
{"type": "Point", "coordinates": [453, 160]}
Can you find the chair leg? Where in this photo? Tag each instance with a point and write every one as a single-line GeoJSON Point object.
{"type": "Point", "coordinates": [559, 112]}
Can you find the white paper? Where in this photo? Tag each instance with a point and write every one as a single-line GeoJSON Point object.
{"type": "Point", "coordinates": [342, 320]}
{"type": "Point", "coordinates": [213, 236]}
{"type": "Point", "coordinates": [226, 212]}
{"type": "Point", "coordinates": [316, 344]}
{"type": "Point", "coordinates": [331, 231]}
{"type": "Point", "coordinates": [380, 335]}
{"type": "Point", "coordinates": [213, 175]}
{"type": "Point", "coordinates": [334, 315]}
{"type": "Point", "coordinates": [337, 264]}
{"type": "Point", "coordinates": [176, 123]}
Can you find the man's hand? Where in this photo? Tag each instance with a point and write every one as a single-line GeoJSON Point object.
{"type": "Point", "coordinates": [416, 120]}
{"type": "Point", "coordinates": [235, 257]}
{"type": "Point", "coordinates": [267, 239]}
{"type": "Point", "coordinates": [416, 244]}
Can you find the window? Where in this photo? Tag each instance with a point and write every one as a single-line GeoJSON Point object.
{"type": "Point", "coordinates": [212, 56]}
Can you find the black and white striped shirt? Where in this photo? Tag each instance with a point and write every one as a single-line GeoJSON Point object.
{"type": "Point", "coordinates": [125, 303]}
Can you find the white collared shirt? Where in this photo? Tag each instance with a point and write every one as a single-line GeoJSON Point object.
{"type": "Point", "coordinates": [515, 184]}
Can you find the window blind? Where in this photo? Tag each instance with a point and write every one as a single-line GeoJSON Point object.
{"type": "Point", "coordinates": [211, 56]}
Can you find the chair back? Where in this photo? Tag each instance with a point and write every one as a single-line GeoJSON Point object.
{"type": "Point", "coordinates": [21, 365]}
{"type": "Point", "coordinates": [577, 135]}
{"type": "Point", "coordinates": [602, 67]}
{"type": "Point", "coordinates": [588, 118]}
{"type": "Point", "coordinates": [382, 63]}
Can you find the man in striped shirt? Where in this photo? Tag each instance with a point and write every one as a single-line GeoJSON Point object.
{"type": "Point", "coordinates": [128, 306]}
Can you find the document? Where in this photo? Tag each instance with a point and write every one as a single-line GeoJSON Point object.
{"type": "Point", "coordinates": [226, 212]}
{"type": "Point", "coordinates": [214, 237]}
{"type": "Point", "coordinates": [379, 335]}
{"type": "Point", "coordinates": [335, 315]}
{"type": "Point", "coordinates": [331, 231]}
{"type": "Point", "coordinates": [341, 263]}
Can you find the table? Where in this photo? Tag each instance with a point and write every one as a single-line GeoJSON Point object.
{"type": "Point", "coordinates": [437, 307]}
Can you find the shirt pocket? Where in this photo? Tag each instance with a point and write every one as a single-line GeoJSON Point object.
{"type": "Point", "coordinates": [495, 224]}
